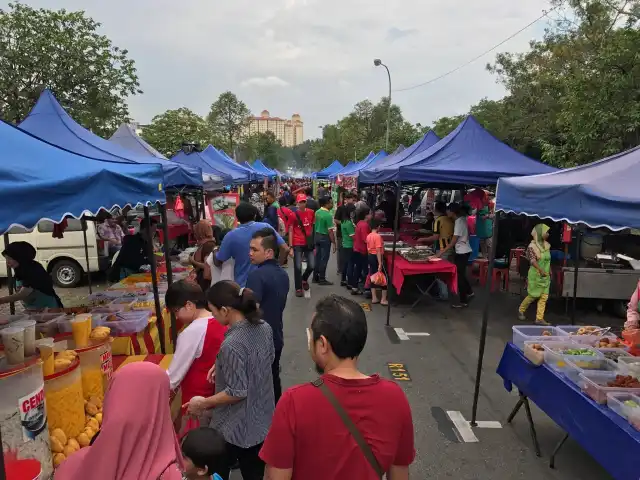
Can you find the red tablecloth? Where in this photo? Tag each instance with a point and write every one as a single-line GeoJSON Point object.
{"type": "Point", "coordinates": [444, 269]}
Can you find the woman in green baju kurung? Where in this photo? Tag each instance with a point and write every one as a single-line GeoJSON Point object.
{"type": "Point", "coordinates": [539, 278]}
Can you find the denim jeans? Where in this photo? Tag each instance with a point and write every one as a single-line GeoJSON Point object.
{"type": "Point", "coordinates": [358, 264]}
{"type": "Point", "coordinates": [298, 276]}
{"type": "Point", "coordinates": [347, 265]}
{"type": "Point", "coordinates": [323, 252]}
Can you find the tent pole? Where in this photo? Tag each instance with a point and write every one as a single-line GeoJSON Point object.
{"type": "Point", "coordinates": [154, 280]}
{"type": "Point", "coordinates": [485, 320]}
{"type": "Point", "coordinates": [167, 259]}
{"type": "Point", "coordinates": [204, 206]}
{"type": "Point", "coordinates": [86, 252]}
{"type": "Point", "coordinates": [575, 276]}
{"type": "Point", "coordinates": [3, 474]}
{"type": "Point", "coordinates": [393, 254]}
{"type": "Point", "coordinates": [12, 305]}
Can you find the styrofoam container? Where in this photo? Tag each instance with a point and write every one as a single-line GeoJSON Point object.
{"type": "Point", "coordinates": [594, 385]}
{"type": "Point", "coordinates": [523, 333]}
{"type": "Point", "coordinates": [593, 364]}
{"type": "Point", "coordinates": [572, 330]}
{"type": "Point", "coordinates": [129, 322]}
{"type": "Point", "coordinates": [615, 401]}
{"type": "Point", "coordinates": [64, 322]}
{"type": "Point", "coordinates": [557, 360]}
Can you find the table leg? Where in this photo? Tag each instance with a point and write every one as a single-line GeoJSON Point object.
{"type": "Point", "coordinates": [423, 293]}
{"type": "Point", "coordinates": [552, 460]}
{"type": "Point", "coordinates": [516, 409]}
{"type": "Point", "coordinates": [532, 427]}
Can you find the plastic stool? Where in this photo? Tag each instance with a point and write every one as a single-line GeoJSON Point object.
{"type": "Point", "coordinates": [500, 275]}
{"type": "Point", "coordinates": [516, 253]}
{"type": "Point", "coordinates": [483, 267]}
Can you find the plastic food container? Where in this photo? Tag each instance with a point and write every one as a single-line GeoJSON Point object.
{"type": "Point", "coordinates": [103, 298]}
{"type": "Point", "coordinates": [556, 359]}
{"type": "Point", "coordinates": [122, 304]}
{"type": "Point", "coordinates": [614, 354]}
{"type": "Point", "coordinates": [582, 365]}
{"type": "Point", "coordinates": [594, 384]}
{"type": "Point", "coordinates": [47, 323]}
{"type": "Point", "coordinates": [634, 415]}
{"type": "Point", "coordinates": [536, 333]}
{"type": "Point", "coordinates": [616, 402]}
{"type": "Point", "coordinates": [630, 364]}
{"type": "Point", "coordinates": [534, 356]}
{"type": "Point", "coordinates": [96, 366]}
{"type": "Point", "coordinates": [145, 302]}
{"type": "Point", "coordinates": [129, 322]}
{"type": "Point", "coordinates": [65, 403]}
{"type": "Point", "coordinates": [64, 322]}
{"type": "Point", "coordinates": [7, 319]}
{"type": "Point", "coordinates": [572, 331]}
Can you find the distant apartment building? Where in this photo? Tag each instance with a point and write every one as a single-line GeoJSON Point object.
{"type": "Point", "coordinates": [289, 132]}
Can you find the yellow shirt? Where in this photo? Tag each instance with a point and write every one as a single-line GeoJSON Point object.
{"type": "Point", "coordinates": [443, 226]}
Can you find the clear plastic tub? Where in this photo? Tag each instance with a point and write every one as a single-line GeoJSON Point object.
{"type": "Point", "coordinates": [614, 354]}
{"type": "Point", "coordinates": [555, 357]}
{"type": "Point", "coordinates": [47, 324]}
{"type": "Point", "coordinates": [582, 365]}
{"type": "Point", "coordinates": [534, 356]}
{"type": "Point", "coordinates": [122, 304]}
{"type": "Point", "coordinates": [523, 333]}
{"type": "Point", "coordinates": [572, 331]}
{"type": "Point", "coordinates": [129, 322]}
{"type": "Point", "coordinates": [104, 298]}
{"type": "Point", "coordinates": [630, 364]}
{"type": "Point", "coordinates": [7, 319]}
{"type": "Point", "coordinates": [634, 416]}
{"type": "Point", "coordinates": [616, 402]}
{"type": "Point", "coordinates": [145, 302]}
{"type": "Point", "coordinates": [97, 320]}
{"type": "Point", "coordinates": [594, 385]}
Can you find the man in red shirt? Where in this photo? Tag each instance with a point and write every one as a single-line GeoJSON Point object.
{"type": "Point", "coordinates": [301, 236]}
{"type": "Point", "coordinates": [308, 440]}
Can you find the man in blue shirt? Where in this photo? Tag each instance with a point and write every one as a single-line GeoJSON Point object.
{"type": "Point", "coordinates": [236, 243]}
{"type": "Point", "coordinates": [270, 286]}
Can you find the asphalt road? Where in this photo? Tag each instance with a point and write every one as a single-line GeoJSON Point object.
{"type": "Point", "coordinates": [442, 368]}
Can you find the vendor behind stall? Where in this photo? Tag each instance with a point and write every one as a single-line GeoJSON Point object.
{"type": "Point", "coordinates": [35, 287]}
{"type": "Point", "coordinates": [134, 252]}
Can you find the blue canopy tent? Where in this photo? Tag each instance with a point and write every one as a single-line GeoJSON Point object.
{"type": "Point", "coordinates": [325, 172]}
{"type": "Point", "coordinates": [354, 169]}
{"type": "Point", "coordinates": [126, 137]}
{"type": "Point", "coordinates": [602, 194]}
{"type": "Point", "coordinates": [50, 122]}
{"type": "Point", "coordinates": [222, 162]}
{"type": "Point", "coordinates": [262, 168]}
{"type": "Point", "coordinates": [48, 182]}
{"type": "Point", "coordinates": [198, 160]}
{"type": "Point", "coordinates": [468, 155]}
{"type": "Point", "coordinates": [382, 170]}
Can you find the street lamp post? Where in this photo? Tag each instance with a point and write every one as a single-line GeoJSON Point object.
{"type": "Point", "coordinates": [377, 62]}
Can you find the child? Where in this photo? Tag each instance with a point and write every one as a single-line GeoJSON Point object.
{"type": "Point", "coordinates": [204, 452]}
{"type": "Point", "coordinates": [197, 347]}
{"type": "Point", "coordinates": [375, 250]}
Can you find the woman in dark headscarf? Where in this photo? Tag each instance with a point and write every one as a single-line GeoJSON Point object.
{"type": "Point", "coordinates": [35, 287]}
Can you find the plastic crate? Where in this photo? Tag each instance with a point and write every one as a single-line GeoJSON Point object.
{"type": "Point", "coordinates": [584, 365]}
{"type": "Point", "coordinates": [97, 320]}
{"type": "Point", "coordinates": [123, 304]}
{"type": "Point", "coordinates": [630, 364]}
{"type": "Point", "coordinates": [572, 330]}
{"type": "Point", "coordinates": [534, 356]}
{"type": "Point", "coordinates": [615, 401]}
{"type": "Point", "coordinates": [594, 385]}
{"type": "Point", "coordinates": [523, 333]}
{"type": "Point", "coordinates": [556, 359]}
{"type": "Point", "coordinates": [129, 322]}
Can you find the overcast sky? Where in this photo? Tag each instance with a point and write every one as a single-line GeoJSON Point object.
{"type": "Point", "coordinates": [312, 57]}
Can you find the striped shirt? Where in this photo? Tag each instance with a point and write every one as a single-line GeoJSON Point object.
{"type": "Point", "coordinates": [243, 369]}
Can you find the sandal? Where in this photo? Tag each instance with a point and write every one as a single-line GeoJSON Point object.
{"type": "Point", "coordinates": [384, 304]}
{"type": "Point", "coordinates": [375, 303]}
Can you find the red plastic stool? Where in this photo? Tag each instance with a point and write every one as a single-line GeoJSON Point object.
{"type": "Point", "coordinates": [483, 267]}
{"type": "Point", "coordinates": [500, 275]}
{"type": "Point", "coordinates": [516, 253]}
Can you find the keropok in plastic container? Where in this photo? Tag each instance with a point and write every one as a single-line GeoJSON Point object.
{"type": "Point", "coordinates": [23, 417]}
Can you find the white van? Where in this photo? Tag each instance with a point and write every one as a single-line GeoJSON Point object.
{"type": "Point", "coordinates": [64, 257]}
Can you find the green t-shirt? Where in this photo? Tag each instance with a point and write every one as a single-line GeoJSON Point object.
{"type": "Point", "coordinates": [347, 228]}
{"type": "Point", "coordinates": [324, 221]}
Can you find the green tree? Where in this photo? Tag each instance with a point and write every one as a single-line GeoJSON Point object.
{"type": "Point", "coordinates": [62, 50]}
{"type": "Point", "coordinates": [229, 118]}
{"type": "Point", "coordinates": [169, 130]}
{"type": "Point", "coordinates": [266, 147]}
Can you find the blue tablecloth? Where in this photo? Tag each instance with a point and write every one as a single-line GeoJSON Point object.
{"type": "Point", "coordinates": [609, 438]}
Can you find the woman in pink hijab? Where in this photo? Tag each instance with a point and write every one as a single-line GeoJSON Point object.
{"type": "Point", "coordinates": [137, 440]}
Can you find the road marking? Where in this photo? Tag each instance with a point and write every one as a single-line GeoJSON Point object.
{"type": "Point", "coordinates": [399, 372]}
{"type": "Point", "coordinates": [401, 334]}
{"type": "Point", "coordinates": [366, 306]}
{"type": "Point", "coordinates": [487, 424]}
{"type": "Point", "coordinates": [417, 334]}
{"type": "Point", "coordinates": [462, 426]}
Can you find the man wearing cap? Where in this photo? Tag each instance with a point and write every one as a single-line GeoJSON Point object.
{"type": "Point", "coordinates": [301, 237]}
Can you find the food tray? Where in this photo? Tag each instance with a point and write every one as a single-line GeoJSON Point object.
{"type": "Point", "coordinates": [414, 260]}
{"type": "Point", "coordinates": [534, 356]}
{"type": "Point", "coordinates": [594, 385]}
{"type": "Point", "coordinates": [129, 322]}
{"type": "Point", "coordinates": [558, 361]}
{"type": "Point", "coordinates": [64, 322]}
{"type": "Point", "coordinates": [48, 328]}
{"type": "Point", "coordinates": [630, 364]}
{"type": "Point", "coordinates": [571, 330]}
{"type": "Point", "coordinates": [524, 333]}
{"type": "Point", "coordinates": [123, 304]}
{"type": "Point", "coordinates": [588, 365]}
{"type": "Point", "coordinates": [615, 401]}
{"type": "Point", "coordinates": [614, 354]}
{"type": "Point", "coordinates": [103, 298]}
